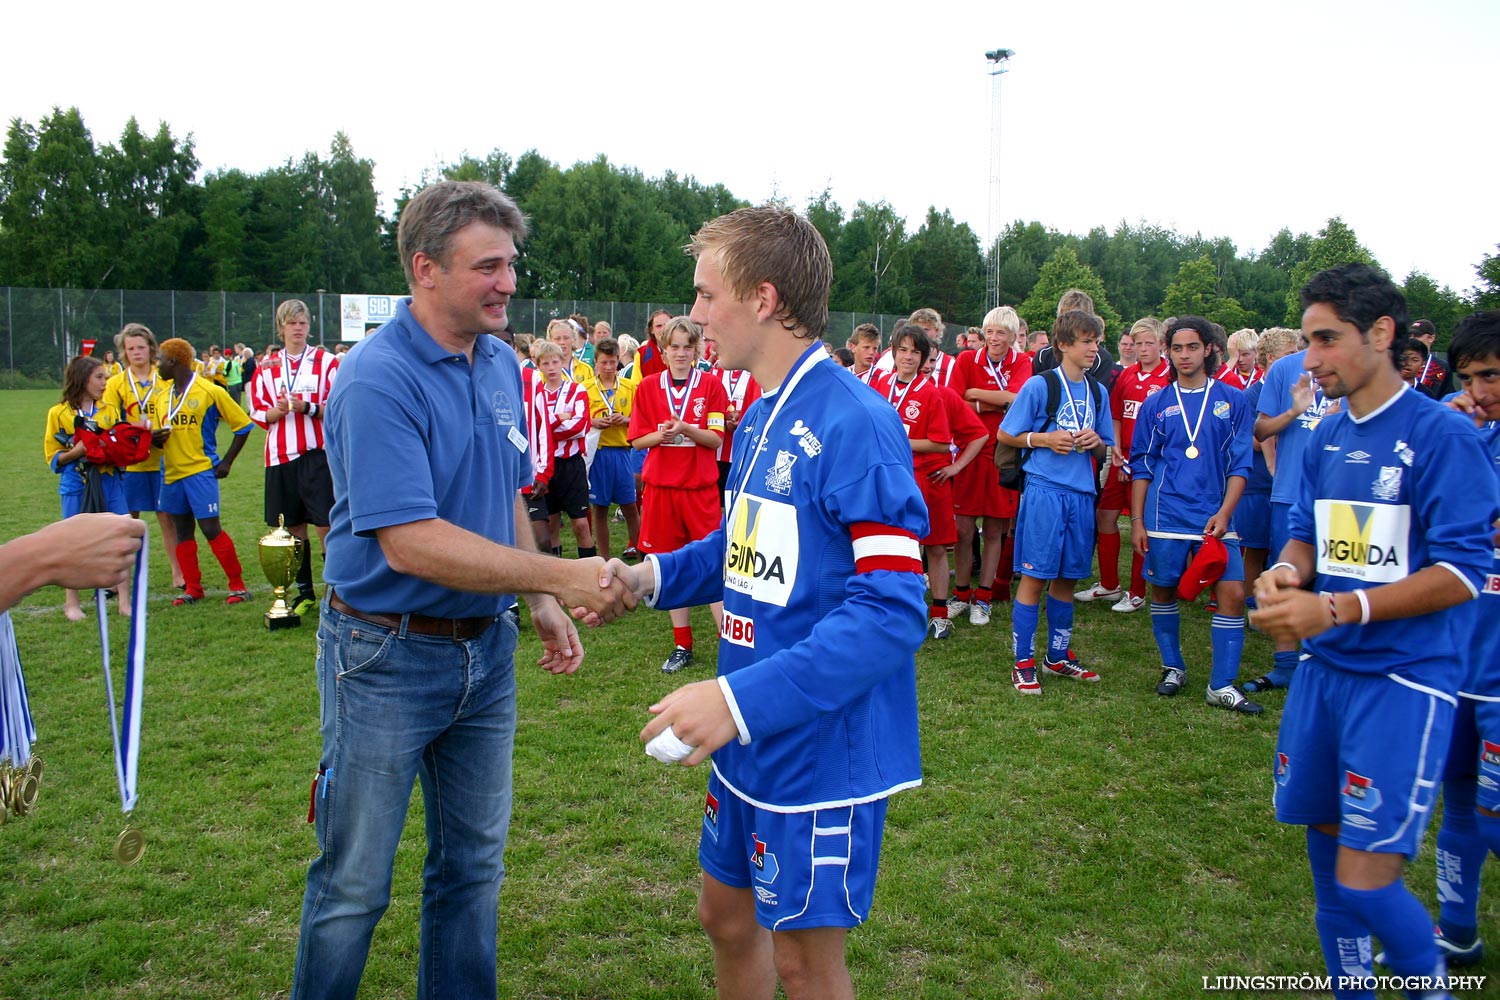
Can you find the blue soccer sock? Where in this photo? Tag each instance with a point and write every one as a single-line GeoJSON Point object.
{"type": "Point", "coordinates": [1460, 855]}
{"type": "Point", "coordinates": [1166, 626]}
{"type": "Point", "coordinates": [1059, 628]}
{"type": "Point", "coordinates": [1283, 665]}
{"type": "Point", "coordinates": [1488, 829]}
{"type": "Point", "coordinates": [1227, 635]}
{"type": "Point", "coordinates": [1023, 620]}
{"type": "Point", "coordinates": [1345, 941]}
{"type": "Point", "coordinates": [1402, 924]}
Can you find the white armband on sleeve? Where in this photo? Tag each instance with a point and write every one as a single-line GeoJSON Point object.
{"type": "Point", "coordinates": [734, 710]}
{"type": "Point", "coordinates": [650, 598]}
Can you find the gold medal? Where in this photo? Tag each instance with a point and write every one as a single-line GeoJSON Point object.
{"type": "Point", "coordinates": [1192, 451]}
{"type": "Point", "coordinates": [35, 767]}
{"type": "Point", "coordinates": [1313, 423]}
{"type": "Point", "coordinates": [129, 846]}
{"type": "Point", "coordinates": [26, 794]}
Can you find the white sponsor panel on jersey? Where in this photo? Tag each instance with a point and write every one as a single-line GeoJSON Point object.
{"type": "Point", "coordinates": [760, 558]}
{"type": "Point", "coordinates": [738, 630]}
{"type": "Point", "coordinates": [1363, 541]}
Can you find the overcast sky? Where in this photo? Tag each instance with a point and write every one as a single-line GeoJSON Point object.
{"type": "Point", "coordinates": [1222, 118]}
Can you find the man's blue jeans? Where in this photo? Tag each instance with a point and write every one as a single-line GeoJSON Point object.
{"type": "Point", "coordinates": [396, 709]}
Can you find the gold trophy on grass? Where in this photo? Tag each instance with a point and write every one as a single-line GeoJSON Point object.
{"type": "Point", "coordinates": [281, 555]}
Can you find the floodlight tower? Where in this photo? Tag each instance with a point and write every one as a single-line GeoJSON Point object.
{"type": "Point", "coordinates": [998, 58]}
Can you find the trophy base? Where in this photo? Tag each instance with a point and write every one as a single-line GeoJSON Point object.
{"type": "Point", "coordinates": [274, 622]}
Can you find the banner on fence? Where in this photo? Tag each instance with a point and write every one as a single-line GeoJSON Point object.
{"type": "Point", "coordinates": [361, 314]}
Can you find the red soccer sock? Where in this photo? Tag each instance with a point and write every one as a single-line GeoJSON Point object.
{"type": "Point", "coordinates": [1007, 568]}
{"type": "Point", "coordinates": [1109, 561]}
{"type": "Point", "coordinates": [940, 609]}
{"type": "Point", "coordinates": [683, 636]}
{"type": "Point", "coordinates": [1137, 580]}
{"type": "Point", "coordinates": [985, 594]}
{"type": "Point", "coordinates": [966, 593]}
{"type": "Point", "coordinates": [229, 559]}
{"type": "Point", "coordinates": [187, 561]}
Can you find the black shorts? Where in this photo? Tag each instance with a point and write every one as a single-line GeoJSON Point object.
{"type": "Point", "coordinates": [567, 492]}
{"type": "Point", "coordinates": [301, 490]}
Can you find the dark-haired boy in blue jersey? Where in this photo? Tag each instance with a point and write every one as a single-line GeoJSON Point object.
{"type": "Point", "coordinates": [1192, 458]}
{"type": "Point", "coordinates": [1055, 522]}
{"type": "Point", "coordinates": [1471, 778]}
{"type": "Point", "coordinates": [1394, 529]}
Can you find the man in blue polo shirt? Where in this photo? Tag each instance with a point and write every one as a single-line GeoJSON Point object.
{"type": "Point", "coordinates": [428, 543]}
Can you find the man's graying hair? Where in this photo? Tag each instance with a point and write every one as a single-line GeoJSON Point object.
{"type": "Point", "coordinates": [430, 219]}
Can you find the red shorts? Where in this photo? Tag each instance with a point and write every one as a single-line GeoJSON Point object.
{"type": "Point", "coordinates": [1116, 492]}
{"type": "Point", "coordinates": [670, 518]}
{"type": "Point", "coordinates": [941, 528]}
{"type": "Point", "coordinates": [977, 491]}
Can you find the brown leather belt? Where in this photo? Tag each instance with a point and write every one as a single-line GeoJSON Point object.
{"type": "Point", "coordinates": [457, 629]}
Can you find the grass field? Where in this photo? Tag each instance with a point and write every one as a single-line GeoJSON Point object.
{"type": "Point", "coordinates": [1096, 842]}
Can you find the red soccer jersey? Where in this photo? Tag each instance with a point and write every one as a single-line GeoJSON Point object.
{"type": "Point", "coordinates": [741, 389]}
{"type": "Point", "coordinates": [873, 377]}
{"type": "Point", "coordinates": [975, 370]}
{"type": "Point", "coordinates": [308, 378]}
{"type": "Point", "coordinates": [1232, 376]}
{"type": "Point", "coordinates": [964, 425]}
{"type": "Point", "coordinates": [567, 409]}
{"type": "Point", "coordinates": [919, 404]}
{"type": "Point", "coordinates": [538, 429]}
{"type": "Point", "coordinates": [702, 402]}
{"type": "Point", "coordinates": [1131, 390]}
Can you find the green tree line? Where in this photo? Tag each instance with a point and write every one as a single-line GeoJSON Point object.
{"type": "Point", "coordinates": [134, 213]}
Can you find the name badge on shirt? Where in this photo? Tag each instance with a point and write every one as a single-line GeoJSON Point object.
{"type": "Point", "coordinates": [517, 438]}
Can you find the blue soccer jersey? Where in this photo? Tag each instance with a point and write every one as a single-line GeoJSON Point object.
{"type": "Point", "coordinates": [1077, 410]}
{"type": "Point", "coordinates": [1185, 492]}
{"type": "Point", "coordinates": [1479, 621]}
{"type": "Point", "coordinates": [1381, 498]}
{"type": "Point", "coordinates": [1260, 473]}
{"type": "Point", "coordinates": [1276, 399]}
{"type": "Point", "coordinates": [818, 567]}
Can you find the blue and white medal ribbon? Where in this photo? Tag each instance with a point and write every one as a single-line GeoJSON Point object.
{"type": "Point", "coordinates": [125, 729]}
{"type": "Point", "coordinates": [17, 732]}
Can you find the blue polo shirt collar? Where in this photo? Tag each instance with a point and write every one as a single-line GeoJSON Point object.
{"type": "Point", "coordinates": [429, 350]}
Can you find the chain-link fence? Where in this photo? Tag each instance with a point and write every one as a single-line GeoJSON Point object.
{"type": "Point", "coordinates": [41, 328]}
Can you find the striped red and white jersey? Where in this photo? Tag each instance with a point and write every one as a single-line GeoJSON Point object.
{"type": "Point", "coordinates": [538, 429]}
{"type": "Point", "coordinates": [567, 412]}
{"type": "Point", "coordinates": [309, 378]}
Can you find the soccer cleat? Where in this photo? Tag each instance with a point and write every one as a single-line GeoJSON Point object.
{"type": "Point", "coordinates": [1452, 953]}
{"type": "Point", "coordinates": [1458, 954]}
{"type": "Point", "coordinates": [1070, 668]}
{"type": "Point", "coordinates": [1259, 684]}
{"type": "Point", "coordinates": [942, 628]}
{"type": "Point", "coordinates": [680, 658]}
{"type": "Point", "coordinates": [1024, 677]}
{"type": "Point", "coordinates": [1230, 697]}
{"type": "Point", "coordinates": [304, 605]}
{"type": "Point", "coordinates": [1212, 605]}
{"type": "Point", "coordinates": [956, 607]}
{"type": "Point", "coordinates": [631, 554]}
{"type": "Point", "coordinates": [182, 599]}
{"type": "Point", "coordinates": [979, 614]}
{"type": "Point", "coordinates": [237, 597]}
{"type": "Point", "coordinates": [1171, 681]}
{"type": "Point", "coordinates": [1128, 603]}
{"type": "Point", "coordinates": [1098, 592]}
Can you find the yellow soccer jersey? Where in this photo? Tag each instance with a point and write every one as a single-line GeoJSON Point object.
{"type": "Point", "coordinates": [617, 400]}
{"type": "Point", "coordinates": [133, 401]}
{"type": "Point", "coordinates": [194, 417]}
{"type": "Point", "coordinates": [583, 372]}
